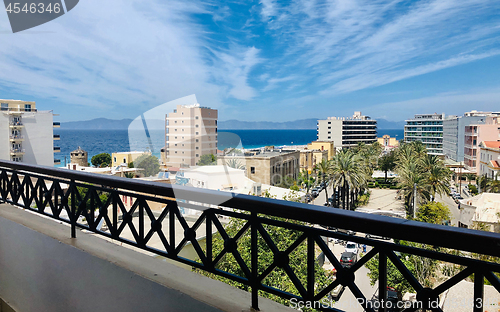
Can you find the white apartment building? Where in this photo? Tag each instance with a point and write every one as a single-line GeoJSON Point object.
{"type": "Point", "coordinates": [190, 132]}
{"type": "Point", "coordinates": [26, 134]}
{"type": "Point", "coordinates": [454, 133]}
{"type": "Point", "coordinates": [348, 131]}
{"type": "Point", "coordinates": [427, 128]}
{"type": "Point", "coordinates": [489, 158]}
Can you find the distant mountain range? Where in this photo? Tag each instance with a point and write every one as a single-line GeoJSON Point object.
{"type": "Point", "coordinates": [123, 124]}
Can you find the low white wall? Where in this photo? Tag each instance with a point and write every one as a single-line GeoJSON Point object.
{"type": "Point", "coordinates": [43, 269]}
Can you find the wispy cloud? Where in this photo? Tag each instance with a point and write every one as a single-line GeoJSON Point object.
{"type": "Point", "coordinates": [353, 45]}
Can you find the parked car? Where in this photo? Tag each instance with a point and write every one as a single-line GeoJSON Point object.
{"type": "Point", "coordinates": [348, 259]}
{"type": "Point", "coordinates": [394, 297]}
{"type": "Point", "coordinates": [351, 247]}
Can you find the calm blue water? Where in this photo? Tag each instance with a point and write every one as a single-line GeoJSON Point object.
{"type": "Point", "coordinates": [111, 141]}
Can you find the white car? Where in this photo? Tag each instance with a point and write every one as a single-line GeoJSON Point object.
{"type": "Point", "coordinates": [351, 247]}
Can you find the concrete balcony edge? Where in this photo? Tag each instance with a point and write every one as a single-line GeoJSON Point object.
{"type": "Point", "coordinates": [201, 289]}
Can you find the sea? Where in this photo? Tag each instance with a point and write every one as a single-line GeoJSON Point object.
{"type": "Point", "coordinates": [112, 141]}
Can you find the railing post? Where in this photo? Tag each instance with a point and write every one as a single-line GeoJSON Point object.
{"type": "Point", "coordinates": [255, 259]}
{"type": "Point", "coordinates": [478, 291]}
{"type": "Point", "coordinates": [382, 280]}
{"type": "Point", "coordinates": [73, 209]}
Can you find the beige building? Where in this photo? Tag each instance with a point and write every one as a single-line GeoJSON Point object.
{"type": "Point", "coordinates": [348, 131]}
{"type": "Point", "coordinates": [483, 208]}
{"type": "Point", "coordinates": [191, 131]}
{"type": "Point", "coordinates": [27, 134]}
{"type": "Point", "coordinates": [387, 142]}
{"type": "Point", "coordinates": [323, 146]}
{"type": "Point", "coordinates": [266, 166]}
{"type": "Point", "coordinates": [125, 157]}
{"type": "Point", "coordinates": [489, 158]}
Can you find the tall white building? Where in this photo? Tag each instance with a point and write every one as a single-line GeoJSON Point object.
{"type": "Point", "coordinates": [191, 131]}
{"type": "Point", "coordinates": [348, 131]}
{"type": "Point", "coordinates": [427, 128]}
{"type": "Point", "coordinates": [26, 134]}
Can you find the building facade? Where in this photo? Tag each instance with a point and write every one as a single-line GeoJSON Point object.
{"type": "Point", "coordinates": [27, 134]}
{"type": "Point", "coordinates": [454, 132]}
{"type": "Point", "coordinates": [190, 132]}
{"type": "Point", "coordinates": [427, 128]}
{"type": "Point", "coordinates": [347, 131]}
{"type": "Point", "coordinates": [474, 135]}
{"type": "Point", "coordinates": [323, 146]}
{"type": "Point", "coordinates": [267, 166]}
{"type": "Point", "coordinates": [489, 158]}
{"type": "Point", "coordinates": [125, 157]}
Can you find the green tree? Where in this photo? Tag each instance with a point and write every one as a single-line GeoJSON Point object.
{"type": "Point", "coordinates": [306, 180]}
{"type": "Point", "coordinates": [433, 212]}
{"type": "Point", "coordinates": [436, 175]}
{"type": "Point", "coordinates": [234, 163]}
{"type": "Point", "coordinates": [149, 163]}
{"type": "Point", "coordinates": [101, 160]}
{"type": "Point", "coordinates": [387, 162]}
{"type": "Point", "coordinates": [346, 173]}
{"type": "Point", "coordinates": [493, 186]}
{"type": "Point", "coordinates": [207, 160]}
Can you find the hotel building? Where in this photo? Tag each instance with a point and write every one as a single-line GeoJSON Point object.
{"type": "Point", "coordinates": [489, 158]}
{"type": "Point", "coordinates": [190, 132]}
{"type": "Point", "coordinates": [27, 134]}
{"type": "Point", "coordinates": [347, 131]}
{"type": "Point", "coordinates": [454, 132]}
{"type": "Point", "coordinates": [427, 128]}
{"type": "Point", "coordinates": [474, 135]}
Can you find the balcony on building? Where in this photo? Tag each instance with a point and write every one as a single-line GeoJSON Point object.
{"type": "Point", "coordinates": [16, 151]}
{"type": "Point", "coordinates": [57, 136]}
{"type": "Point", "coordinates": [76, 255]}
{"type": "Point", "coordinates": [16, 138]}
{"type": "Point", "coordinates": [57, 161]}
{"type": "Point", "coordinates": [16, 124]}
{"type": "Point", "coordinates": [56, 124]}
{"type": "Point", "coordinates": [57, 149]}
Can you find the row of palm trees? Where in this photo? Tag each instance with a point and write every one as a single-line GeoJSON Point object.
{"type": "Point", "coordinates": [421, 176]}
{"type": "Point", "coordinates": [348, 171]}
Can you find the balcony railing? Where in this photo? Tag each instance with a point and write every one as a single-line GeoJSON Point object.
{"type": "Point", "coordinates": [57, 136]}
{"type": "Point", "coordinates": [16, 137]}
{"type": "Point", "coordinates": [56, 124]}
{"type": "Point", "coordinates": [42, 190]}
{"type": "Point", "coordinates": [57, 149]}
{"type": "Point", "coordinates": [17, 151]}
{"type": "Point", "coordinates": [16, 124]}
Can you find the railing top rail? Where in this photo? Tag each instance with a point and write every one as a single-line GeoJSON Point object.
{"type": "Point", "coordinates": [432, 234]}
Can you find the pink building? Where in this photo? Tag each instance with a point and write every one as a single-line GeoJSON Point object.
{"type": "Point", "coordinates": [474, 135]}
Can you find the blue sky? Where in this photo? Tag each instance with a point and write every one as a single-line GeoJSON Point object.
{"type": "Point", "coordinates": [259, 60]}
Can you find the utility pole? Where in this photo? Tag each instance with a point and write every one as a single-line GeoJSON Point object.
{"type": "Point", "coordinates": [414, 200]}
{"type": "Point", "coordinates": [460, 180]}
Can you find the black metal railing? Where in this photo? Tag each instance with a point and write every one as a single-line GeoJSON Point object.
{"type": "Point", "coordinates": [57, 193]}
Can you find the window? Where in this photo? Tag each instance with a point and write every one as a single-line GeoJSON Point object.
{"type": "Point", "coordinates": [196, 117]}
{"type": "Point", "coordinates": [197, 155]}
{"type": "Point", "coordinates": [197, 126]}
{"type": "Point", "coordinates": [124, 160]}
{"type": "Point", "coordinates": [197, 140]}
{"type": "Point", "coordinates": [5, 106]}
{"type": "Point", "coordinates": [196, 133]}
{"type": "Point", "coordinates": [175, 144]}
{"type": "Point", "coordinates": [27, 107]}
{"type": "Point", "coordinates": [182, 144]}
{"type": "Point", "coordinates": [113, 158]}
{"type": "Point", "coordinates": [175, 121]}
{"type": "Point", "coordinates": [182, 121]}
{"type": "Point", "coordinates": [252, 170]}
{"type": "Point", "coordinates": [329, 122]}
{"type": "Point", "coordinates": [197, 147]}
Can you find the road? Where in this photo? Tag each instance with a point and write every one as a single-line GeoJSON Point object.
{"type": "Point", "coordinates": [348, 301]}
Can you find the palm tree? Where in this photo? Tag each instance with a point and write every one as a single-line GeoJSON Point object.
{"type": "Point", "coordinates": [306, 180]}
{"type": "Point", "coordinates": [436, 174]}
{"type": "Point", "coordinates": [409, 176]}
{"type": "Point", "coordinates": [324, 174]}
{"type": "Point", "coordinates": [346, 173]}
{"type": "Point", "coordinates": [493, 186]}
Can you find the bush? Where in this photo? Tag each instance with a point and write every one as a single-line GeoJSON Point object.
{"type": "Point", "coordinates": [473, 189]}
{"type": "Point", "coordinates": [101, 160]}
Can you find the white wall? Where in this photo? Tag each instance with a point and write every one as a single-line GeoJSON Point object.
{"type": "Point", "coordinates": [38, 142]}
{"type": "Point", "coordinates": [4, 137]}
